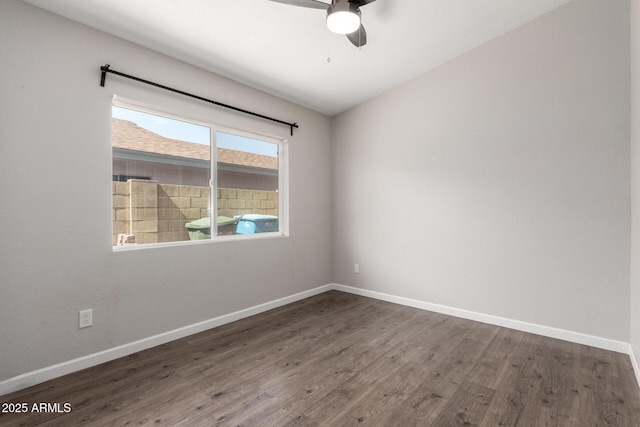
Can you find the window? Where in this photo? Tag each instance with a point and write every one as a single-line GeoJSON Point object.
{"type": "Point", "coordinates": [170, 173]}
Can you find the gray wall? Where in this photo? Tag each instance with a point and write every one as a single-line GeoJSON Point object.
{"type": "Point", "coordinates": [635, 178]}
{"type": "Point", "coordinates": [499, 182]}
{"type": "Point", "coordinates": [55, 159]}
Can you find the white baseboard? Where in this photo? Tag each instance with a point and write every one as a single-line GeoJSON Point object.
{"type": "Point", "coordinates": [45, 374]}
{"type": "Point", "coordinates": [547, 331]}
{"type": "Point", "coordinates": [41, 375]}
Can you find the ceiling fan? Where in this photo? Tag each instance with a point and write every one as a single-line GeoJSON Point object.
{"type": "Point", "coordinates": [343, 16]}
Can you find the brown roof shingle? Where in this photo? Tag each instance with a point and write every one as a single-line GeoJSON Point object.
{"type": "Point", "coordinates": [127, 135]}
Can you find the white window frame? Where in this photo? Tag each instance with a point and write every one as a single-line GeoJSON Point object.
{"type": "Point", "coordinates": [283, 175]}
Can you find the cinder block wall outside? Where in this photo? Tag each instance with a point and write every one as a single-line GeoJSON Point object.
{"type": "Point", "coordinates": [232, 201]}
{"type": "Point", "coordinates": [157, 213]}
{"type": "Point", "coordinates": [121, 209]}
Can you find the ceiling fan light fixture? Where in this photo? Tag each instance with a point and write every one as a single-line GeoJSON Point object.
{"type": "Point", "coordinates": [343, 17]}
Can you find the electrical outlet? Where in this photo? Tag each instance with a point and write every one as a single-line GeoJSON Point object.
{"type": "Point", "coordinates": [356, 268]}
{"type": "Point", "coordinates": [85, 318]}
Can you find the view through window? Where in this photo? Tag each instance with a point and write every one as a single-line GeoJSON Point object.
{"type": "Point", "coordinates": [170, 174]}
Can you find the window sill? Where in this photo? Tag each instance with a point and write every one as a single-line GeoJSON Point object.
{"type": "Point", "coordinates": [219, 239]}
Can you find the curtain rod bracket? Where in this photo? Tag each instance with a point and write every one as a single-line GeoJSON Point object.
{"type": "Point", "coordinates": [106, 69]}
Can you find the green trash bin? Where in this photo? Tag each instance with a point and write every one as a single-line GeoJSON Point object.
{"type": "Point", "coordinates": [200, 229]}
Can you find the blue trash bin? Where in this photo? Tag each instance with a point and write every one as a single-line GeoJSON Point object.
{"type": "Point", "coordinates": [256, 223]}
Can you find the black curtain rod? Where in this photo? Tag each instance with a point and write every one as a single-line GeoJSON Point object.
{"type": "Point", "coordinates": [105, 69]}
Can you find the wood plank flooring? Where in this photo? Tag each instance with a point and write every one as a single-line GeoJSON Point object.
{"type": "Point", "coordinates": [342, 360]}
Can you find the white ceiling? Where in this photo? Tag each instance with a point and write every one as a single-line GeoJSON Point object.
{"type": "Point", "coordinates": [284, 50]}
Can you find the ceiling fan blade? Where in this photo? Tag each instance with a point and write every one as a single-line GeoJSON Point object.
{"type": "Point", "coordinates": [358, 37]}
{"type": "Point", "coordinates": [361, 2]}
{"type": "Point", "coordinates": [311, 4]}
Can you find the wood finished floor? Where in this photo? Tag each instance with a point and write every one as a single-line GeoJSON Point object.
{"type": "Point", "coordinates": [342, 360]}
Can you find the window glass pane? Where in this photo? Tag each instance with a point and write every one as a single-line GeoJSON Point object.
{"type": "Point", "coordinates": [161, 178]}
{"type": "Point", "coordinates": [247, 180]}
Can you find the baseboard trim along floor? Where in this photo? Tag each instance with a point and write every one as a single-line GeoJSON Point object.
{"type": "Point", "coordinates": [576, 337]}
{"type": "Point", "coordinates": [45, 374]}
{"type": "Point", "coordinates": [547, 331]}
{"type": "Point", "coordinates": [41, 375]}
